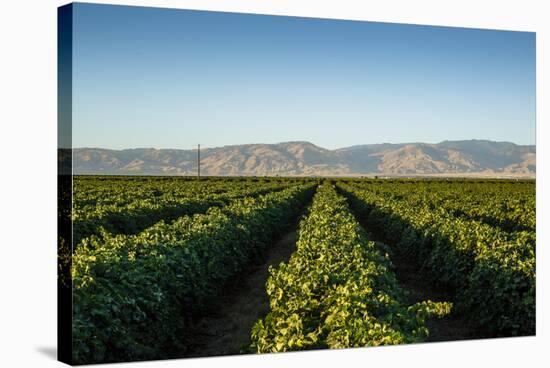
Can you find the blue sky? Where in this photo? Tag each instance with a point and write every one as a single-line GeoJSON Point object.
{"type": "Point", "coordinates": [165, 78]}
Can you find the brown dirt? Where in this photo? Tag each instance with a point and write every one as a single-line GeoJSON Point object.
{"type": "Point", "coordinates": [243, 302]}
{"type": "Point", "coordinates": [418, 288]}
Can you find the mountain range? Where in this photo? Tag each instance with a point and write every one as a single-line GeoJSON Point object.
{"type": "Point", "coordinates": [448, 158]}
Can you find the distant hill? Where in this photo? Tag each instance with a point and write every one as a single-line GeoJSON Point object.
{"type": "Point", "coordinates": [454, 158]}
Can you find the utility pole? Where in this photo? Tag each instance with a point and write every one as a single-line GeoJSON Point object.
{"type": "Point", "coordinates": [199, 162]}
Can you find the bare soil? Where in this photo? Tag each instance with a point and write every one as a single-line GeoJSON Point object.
{"type": "Point", "coordinates": [418, 287]}
{"type": "Point", "coordinates": [227, 330]}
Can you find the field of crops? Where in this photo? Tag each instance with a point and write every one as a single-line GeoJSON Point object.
{"type": "Point", "coordinates": [154, 257]}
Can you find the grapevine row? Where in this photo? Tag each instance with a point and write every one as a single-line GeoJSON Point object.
{"type": "Point", "coordinates": [337, 290]}
{"type": "Point", "coordinates": [136, 297]}
{"type": "Point", "coordinates": [132, 217]}
{"type": "Point", "coordinates": [491, 271]}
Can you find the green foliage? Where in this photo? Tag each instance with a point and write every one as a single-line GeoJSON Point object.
{"type": "Point", "coordinates": [136, 296]}
{"type": "Point", "coordinates": [337, 290]}
{"type": "Point", "coordinates": [154, 254]}
{"type": "Point", "coordinates": [463, 242]}
{"type": "Point", "coordinates": [128, 205]}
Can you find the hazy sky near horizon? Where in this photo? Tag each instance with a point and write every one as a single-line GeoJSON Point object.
{"type": "Point", "coordinates": [165, 78]}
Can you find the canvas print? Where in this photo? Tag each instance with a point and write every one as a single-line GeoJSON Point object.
{"type": "Point", "coordinates": [246, 184]}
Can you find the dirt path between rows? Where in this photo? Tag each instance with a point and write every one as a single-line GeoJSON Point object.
{"type": "Point", "coordinates": [227, 330]}
{"type": "Point", "coordinates": [418, 288]}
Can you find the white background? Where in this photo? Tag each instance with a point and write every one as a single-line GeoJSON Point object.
{"type": "Point", "coordinates": [28, 180]}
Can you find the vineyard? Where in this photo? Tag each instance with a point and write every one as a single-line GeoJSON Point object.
{"type": "Point", "coordinates": [158, 263]}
